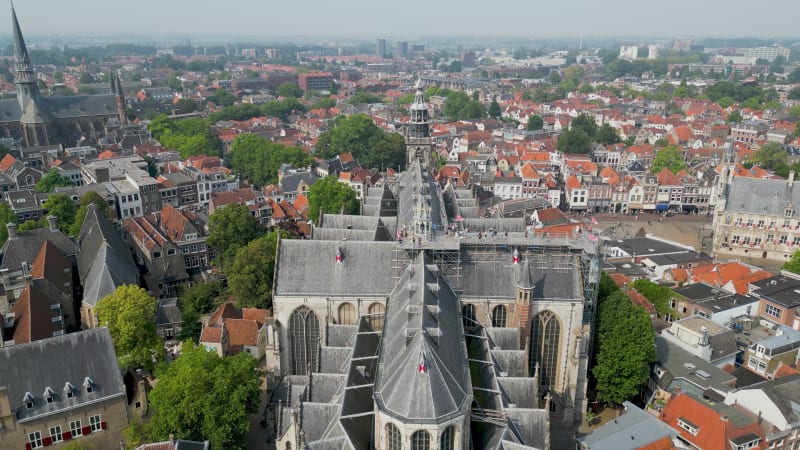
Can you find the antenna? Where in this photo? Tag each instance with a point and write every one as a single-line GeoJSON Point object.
{"type": "Point", "coordinates": [580, 46]}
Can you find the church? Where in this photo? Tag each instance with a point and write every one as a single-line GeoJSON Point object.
{"type": "Point", "coordinates": [420, 325]}
{"type": "Point", "coordinates": [35, 120]}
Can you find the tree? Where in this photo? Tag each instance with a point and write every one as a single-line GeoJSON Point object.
{"type": "Point", "coordinates": [85, 78]}
{"type": "Point", "coordinates": [606, 135]}
{"type": "Point", "coordinates": [626, 341]}
{"type": "Point", "coordinates": [585, 123]}
{"type": "Point", "coordinates": [658, 295]}
{"type": "Point", "coordinates": [187, 105]}
{"type": "Point", "coordinates": [328, 196]}
{"type": "Point", "coordinates": [202, 396]}
{"type": "Point", "coordinates": [795, 113]}
{"type": "Point", "coordinates": [794, 93]}
{"type": "Point", "coordinates": [188, 137]}
{"type": "Point", "coordinates": [89, 198]}
{"type": "Point", "coordinates": [63, 208]}
{"type": "Point", "coordinates": [231, 228]}
{"type": "Point", "coordinates": [289, 89]}
{"type": "Point", "coordinates": [130, 315]}
{"type": "Point", "coordinates": [358, 134]}
{"type": "Point", "coordinates": [535, 123]}
{"type": "Point", "coordinates": [494, 109]}
{"type": "Point", "coordinates": [51, 180]}
{"type": "Point", "coordinates": [222, 97]}
{"type": "Point", "coordinates": [574, 141]}
{"type": "Point", "coordinates": [194, 301]}
{"type": "Point", "coordinates": [770, 156]}
{"type": "Point", "coordinates": [459, 106]}
{"type": "Point", "coordinates": [6, 216]}
{"type": "Point", "coordinates": [669, 157]}
{"type": "Point", "coordinates": [364, 97]}
{"type": "Point", "coordinates": [793, 265]}
{"type": "Point", "coordinates": [250, 275]}
{"type": "Point", "coordinates": [258, 160]}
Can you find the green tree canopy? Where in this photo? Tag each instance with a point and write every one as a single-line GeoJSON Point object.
{"type": "Point", "coordinates": [258, 160]}
{"type": "Point", "coordinates": [202, 396]}
{"type": "Point", "coordinates": [63, 208]}
{"type": "Point", "coordinates": [535, 123]}
{"type": "Point", "coordinates": [574, 141]}
{"type": "Point", "coordinates": [669, 157]}
{"type": "Point", "coordinates": [793, 265]}
{"type": "Point", "coordinates": [459, 106]}
{"type": "Point", "coordinates": [194, 301]}
{"type": "Point", "coordinates": [6, 216]}
{"type": "Point", "coordinates": [606, 135]}
{"type": "Point", "coordinates": [282, 109]}
{"type": "Point", "coordinates": [250, 275]}
{"type": "Point", "coordinates": [130, 315]}
{"type": "Point", "coordinates": [494, 110]}
{"type": "Point", "coordinates": [188, 136]}
{"type": "Point", "coordinates": [222, 97]}
{"type": "Point", "coordinates": [770, 156]}
{"type": "Point", "coordinates": [187, 105]}
{"type": "Point", "coordinates": [231, 228]}
{"type": "Point", "coordinates": [51, 180]}
{"type": "Point", "coordinates": [586, 124]}
{"type": "Point", "coordinates": [358, 134]}
{"type": "Point", "coordinates": [626, 341]}
{"type": "Point", "coordinates": [89, 198]}
{"type": "Point", "coordinates": [289, 89]}
{"type": "Point", "coordinates": [364, 97]}
{"type": "Point", "coordinates": [328, 196]}
{"type": "Point", "coordinates": [659, 296]}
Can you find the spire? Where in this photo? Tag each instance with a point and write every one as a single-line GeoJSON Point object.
{"type": "Point", "coordinates": [20, 49]}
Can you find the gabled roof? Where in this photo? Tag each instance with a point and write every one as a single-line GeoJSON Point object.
{"type": "Point", "coordinates": [52, 362]}
{"type": "Point", "coordinates": [242, 332]}
{"type": "Point", "coordinates": [33, 317]}
{"type": "Point", "coordinates": [25, 247]}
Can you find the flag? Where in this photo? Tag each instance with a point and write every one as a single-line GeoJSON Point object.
{"type": "Point", "coordinates": [594, 220]}
{"type": "Point", "coordinates": [422, 368]}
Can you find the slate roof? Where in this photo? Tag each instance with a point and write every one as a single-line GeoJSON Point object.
{"type": "Point", "coordinates": [105, 262]}
{"type": "Point", "coordinates": [423, 326]}
{"type": "Point", "coordinates": [314, 269]}
{"type": "Point", "coordinates": [168, 311]}
{"type": "Point", "coordinates": [785, 393]}
{"type": "Point", "coordinates": [633, 429]}
{"type": "Point", "coordinates": [761, 196]}
{"type": "Point", "coordinates": [53, 362]}
{"type": "Point", "coordinates": [27, 244]}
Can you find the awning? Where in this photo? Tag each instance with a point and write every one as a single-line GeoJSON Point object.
{"type": "Point", "coordinates": [689, 208]}
{"type": "Point", "coordinates": [662, 207]}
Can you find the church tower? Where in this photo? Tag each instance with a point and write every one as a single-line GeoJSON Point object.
{"type": "Point", "coordinates": [419, 145]}
{"type": "Point", "coordinates": [24, 77]}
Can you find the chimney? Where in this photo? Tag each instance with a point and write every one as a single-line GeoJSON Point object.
{"type": "Point", "coordinates": [791, 178]}
{"type": "Point", "coordinates": [704, 339]}
{"type": "Point", "coordinates": [51, 220]}
{"type": "Point", "coordinates": [12, 230]}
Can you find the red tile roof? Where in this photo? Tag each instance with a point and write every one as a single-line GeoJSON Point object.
{"type": "Point", "coordinates": [7, 162]}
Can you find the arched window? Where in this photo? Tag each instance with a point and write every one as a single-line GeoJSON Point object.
{"type": "Point", "coordinates": [347, 314]}
{"type": "Point", "coordinates": [393, 439]}
{"type": "Point", "coordinates": [448, 440]}
{"type": "Point", "coordinates": [499, 316]}
{"type": "Point", "coordinates": [420, 440]}
{"type": "Point", "coordinates": [468, 314]}
{"type": "Point", "coordinates": [544, 345]}
{"type": "Point", "coordinates": [376, 311]}
{"type": "Point", "coordinates": [288, 446]}
{"type": "Point", "coordinates": [304, 340]}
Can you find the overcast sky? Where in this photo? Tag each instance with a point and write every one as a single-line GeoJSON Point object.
{"type": "Point", "coordinates": [408, 19]}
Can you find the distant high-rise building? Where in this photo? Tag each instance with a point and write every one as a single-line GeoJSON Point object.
{"type": "Point", "coordinates": [380, 47]}
{"type": "Point", "coordinates": [652, 51]}
{"type": "Point", "coordinates": [249, 53]}
{"type": "Point", "coordinates": [628, 52]}
{"type": "Point", "coordinates": [768, 53]}
{"type": "Point", "coordinates": [469, 59]}
{"type": "Point", "coordinates": [402, 48]}
{"type": "Point", "coordinates": [417, 48]}
{"type": "Point", "coordinates": [315, 81]}
{"type": "Point", "coordinates": [271, 53]}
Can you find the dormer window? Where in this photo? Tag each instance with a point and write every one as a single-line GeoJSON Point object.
{"type": "Point", "coordinates": [69, 390]}
{"type": "Point", "coordinates": [28, 400]}
{"type": "Point", "coordinates": [688, 426]}
{"type": "Point", "coordinates": [49, 395]}
{"type": "Point", "coordinates": [88, 384]}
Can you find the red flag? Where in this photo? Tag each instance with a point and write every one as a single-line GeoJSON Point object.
{"type": "Point", "coordinates": [422, 368]}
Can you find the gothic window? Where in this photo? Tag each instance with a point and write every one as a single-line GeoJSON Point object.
{"type": "Point", "coordinates": [468, 314]}
{"type": "Point", "coordinates": [420, 440]}
{"type": "Point", "coordinates": [376, 312]}
{"type": "Point", "coordinates": [347, 314]}
{"type": "Point", "coordinates": [393, 439]}
{"type": "Point", "coordinates": [448, 441]}
{"type": "Point", "coordinates": [544, 346]}
{"type": "Point", "coordinates": [499, 316]}
{"type": "Point", "coordinates": [304, 340]}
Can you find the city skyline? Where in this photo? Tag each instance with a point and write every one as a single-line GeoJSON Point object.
{"type": "Point", "coordinates": [402, 20]}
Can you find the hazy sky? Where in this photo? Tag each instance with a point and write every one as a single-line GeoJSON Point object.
{"type": "Point", "coordinates": [409, 19]}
